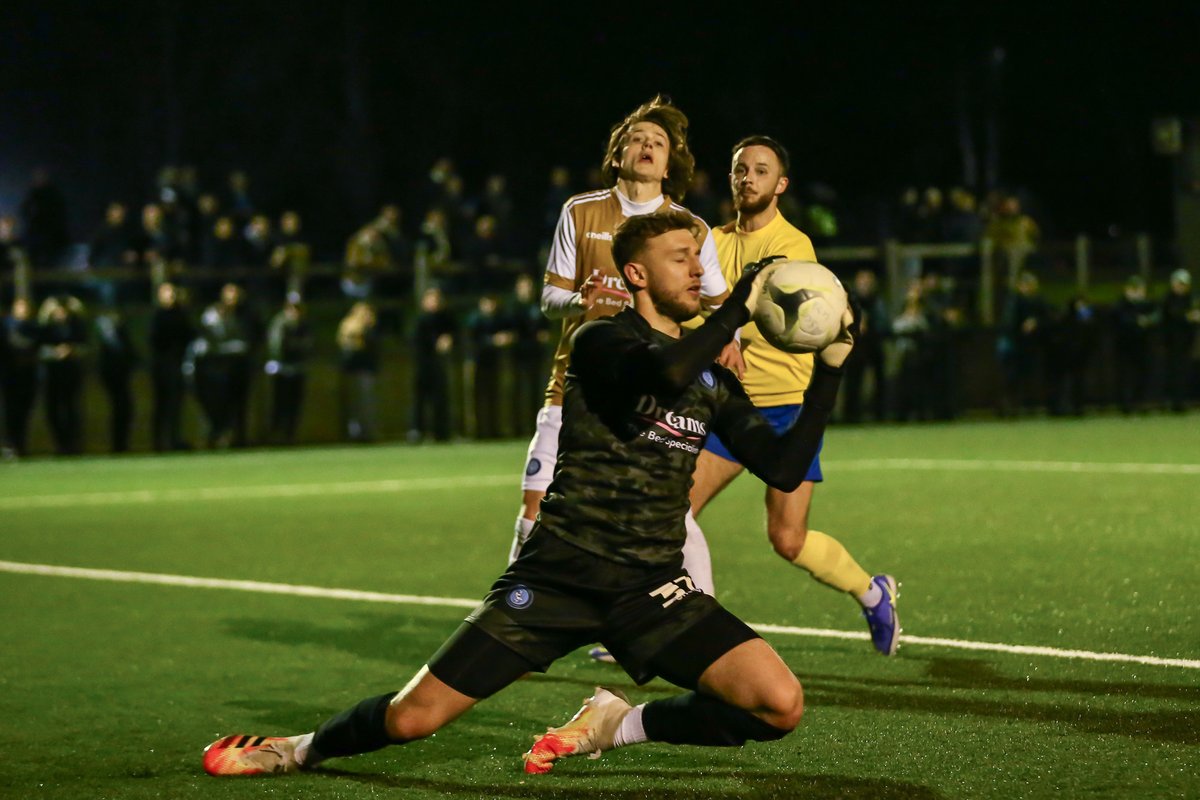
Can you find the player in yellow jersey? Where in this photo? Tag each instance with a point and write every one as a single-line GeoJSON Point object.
{"type": "Point", "coordinates": [774, 380]}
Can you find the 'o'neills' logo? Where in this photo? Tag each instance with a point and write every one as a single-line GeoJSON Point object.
{"type": "Point", "coordinates": [668, 420]}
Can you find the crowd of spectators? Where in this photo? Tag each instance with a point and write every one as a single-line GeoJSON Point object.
{"type": "Point", "coordinates": [210, 259]}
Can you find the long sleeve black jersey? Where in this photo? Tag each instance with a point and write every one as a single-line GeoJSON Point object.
{"type": "Point", "coordinates": [637, 408]}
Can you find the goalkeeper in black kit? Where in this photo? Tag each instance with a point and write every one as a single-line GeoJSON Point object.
{"type": "Point", "coordinates": [604, 561]}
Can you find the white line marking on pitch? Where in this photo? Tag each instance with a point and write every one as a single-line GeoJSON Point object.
{"type": "Point", "coordinates": [251, 492]}
{"type": "Point", "coordinates": [456, 602]}
{"type": "Point", "coordinates": [995, 465]}
{"type": "Point", "coordinates": [145, 496]}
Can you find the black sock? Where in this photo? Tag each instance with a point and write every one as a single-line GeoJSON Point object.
{"type": "Point", "coordinates": [359, 729]}
{"type": "Point", "coordinates": [696, 719]}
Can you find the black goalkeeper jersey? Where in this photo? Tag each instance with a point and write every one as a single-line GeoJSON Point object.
{"type": "Point", "coordinates": [637, 407]}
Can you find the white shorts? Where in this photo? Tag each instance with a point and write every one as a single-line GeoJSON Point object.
{"type": "Point", "coordinates": [543, 450]}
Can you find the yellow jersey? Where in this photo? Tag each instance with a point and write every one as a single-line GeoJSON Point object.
{"type": "Point", "coordinates": [773, 377]}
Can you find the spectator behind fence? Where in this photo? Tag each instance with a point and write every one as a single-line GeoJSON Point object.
{"type": "Point", "coordinates": [372, 251]}
{"type": "Point", "coordinates": [18, 373]}
{"type": "Point", "coordinates": [1134, 318]}
{"type": "Point", "coordinates": [224, 365]}
{"type": "Point", "coordinates": [433, 335]}
{"type": "Point", "coordinates": [62, 336]}
{"type": "Point", "coordinates": [113, 244]}
{"type": "Point", "coordinates": [911, 383]}
{"type": "Point", "coordinates": [289, 345]}
{"type": "Point", "coordinates": [531, 332]}
{"type": "Point", "coordinates": [874, 327]}
{"type": "Point", "coordinates": [1069, 348]}
{"type": "Point", "coordinates": [497, 203]}
{"type": "Point", "coordinates": [1013, 232]}
{"type": "Point", "coordinates": [945, 319]}
{"type": "Point", "coordinates": [171, 331]}
{"type": "Point", "coordinates": [291, 254]}
{"type": "Point", "coordinates": [1180, 319]}
{"type": "Point", "coordinates": [358, 345]}
{"type": "Point", "coordinates": [1020, 345]}
{"type": "Point", "coordinates": [488, 337]}
{"type": "Point", "coordinates": [118, 358]}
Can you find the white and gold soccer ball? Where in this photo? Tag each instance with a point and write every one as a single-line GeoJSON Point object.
{"type": "Point", "coordinates": [800, 307]}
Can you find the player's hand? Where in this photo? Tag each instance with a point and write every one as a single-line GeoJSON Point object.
{"type": "Point", "coordinates": [731, 359]}
{"type": "Point", "coordinates": [590, 289]}
{"type": "Point", "coordinates": [746, 290]}
{"type": "Point", "coordinates": [835, 354]}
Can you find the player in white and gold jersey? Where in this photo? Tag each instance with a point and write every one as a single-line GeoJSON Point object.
{"type": "Point", "coordinates": [774, 381]}
{"type": "Point", "coordinates": [649, 163]}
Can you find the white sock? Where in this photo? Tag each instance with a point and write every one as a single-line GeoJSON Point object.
{"type": "Point", "coordinates": [872, 597]}
{"type": "Point", "coordinates": [696, 558]}
{"type": "Point", "coordinates": [631, 730]}
{"type": "Point", "coordinates": [520, 533]}
{"type": "Point", "coordinates": [302, 751]}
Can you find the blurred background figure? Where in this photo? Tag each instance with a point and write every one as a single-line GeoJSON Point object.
{"type": "Point", "coordinates": [289, 345]}
{"type": "Point", "coordinates": [44, 220]}
{"type": "Point", "coordinates": [1069, 349]}
{"type": "Point", "coordinates": [911, 383]}
{"type": "Point", "coordinates": [945, 319]}
{"type": "Point", "coordinates": [372, 251]}
{"type": "Point", "coordinates": [1020, 345]}
{"type": "Point", "coordinates": [62, 336]}
{"type": "Point", "coordinates": [171, 331]}
{"type": "Point", "coordinates": [531, 335]}
{"type": "Point", "coordinates": [224, 366]}
{"type": "Point", "coordinates": [433, 337]}
{"type": "Point", "coordinates": [18, 373]}
{"type": "Point", "coordinates": [291, 256]}
{"type": "Point", "coordinates": [488, 336]}
{"type": "Point", "coordinates": [358, 345]}
{"type": "Point", "coordinates": [865, 381]}
{"type": "Point", "coordinates": [1180, 319]}
{"type": "Point", "coordinates": [1013, 232]}
{"type": "Point", "coordinates": [1133, 319]}
{"type": "Point", "coordinates": [117, 360]}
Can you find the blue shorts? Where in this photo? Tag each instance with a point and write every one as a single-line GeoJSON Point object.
{"type": "Point", "coordinates": [781, 418]}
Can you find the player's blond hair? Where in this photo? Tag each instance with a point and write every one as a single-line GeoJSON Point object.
{"type": "Point", "coordinates": [681, 164]}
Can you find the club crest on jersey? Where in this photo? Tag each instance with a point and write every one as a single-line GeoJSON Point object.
{"type": "Point", "coordinates": [533, 467]}
{"type": "Point", "coordinates": [707, 379]}
{"type": "Point", "coordinates": [519, 597]}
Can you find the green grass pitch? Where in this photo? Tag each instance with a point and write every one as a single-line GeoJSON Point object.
{"type": "Point", "coordinates": [1074, 535]}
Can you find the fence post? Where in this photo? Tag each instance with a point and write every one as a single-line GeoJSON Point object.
{"type": "Point", "coordinates": [1081, 263]}
{"type": "Point", "coordinates": [891, 261]}
{"type": "Point", "coordinates": [1145, 256]}
{"type": "Point", "coordinates": [987, 282]}
{"type": "Point", "coordinates": [22, 280]}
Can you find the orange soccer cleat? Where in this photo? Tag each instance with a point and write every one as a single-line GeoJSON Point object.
{"type": "Point", "coordinates": [242, 754]}
{"type": "Point", "coordinates": [590, 731]}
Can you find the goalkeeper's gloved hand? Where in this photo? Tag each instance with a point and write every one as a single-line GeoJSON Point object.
{"type": "Point", "coordinates": [835, 353]}
{"type": "Point", "coordinates": [746, 290]}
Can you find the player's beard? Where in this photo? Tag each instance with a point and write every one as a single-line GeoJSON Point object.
{"type": "Point", "coordinates": [755, 204]}
{"type": "Point", "coordinates": [680, 306]}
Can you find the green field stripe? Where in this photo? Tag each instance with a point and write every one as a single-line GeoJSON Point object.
{"type": "Point", "coordinates": [1000, 465]}
{"type": "Point", "coordinates": [146, 496]}
{"type": "Point", "coordinates": [456, 602]}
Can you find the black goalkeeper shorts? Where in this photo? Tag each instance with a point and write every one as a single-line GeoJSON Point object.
{"type": "Point", "coordinates": [556, 598]}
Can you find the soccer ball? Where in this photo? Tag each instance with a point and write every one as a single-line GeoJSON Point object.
{"type": "Point", "coordinates": [801, 306]}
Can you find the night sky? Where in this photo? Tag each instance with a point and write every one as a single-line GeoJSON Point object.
{"type": "Point", "coordinates": [334, 108]}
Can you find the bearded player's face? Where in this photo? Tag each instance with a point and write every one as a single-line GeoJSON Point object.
{"type": "Point", "coordinates": [755, 179]}
{"type": "Point", "coordinates": [673, 272]}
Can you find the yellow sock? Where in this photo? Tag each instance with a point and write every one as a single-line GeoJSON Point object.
{"type": "Point", "coordinates": [828, 561]}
